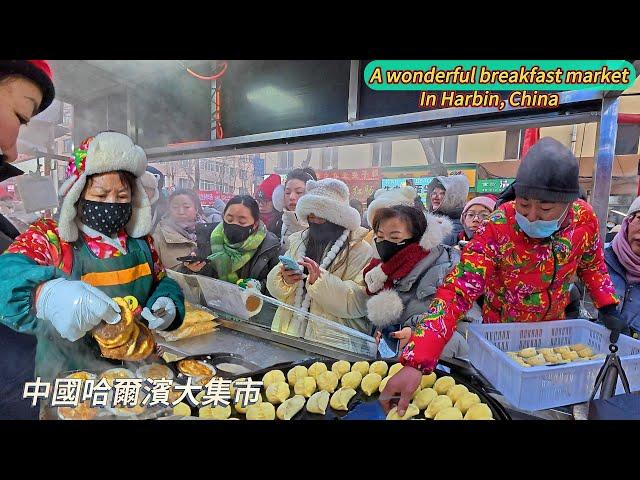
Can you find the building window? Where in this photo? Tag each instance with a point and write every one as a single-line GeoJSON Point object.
{"type": "Point", "coordinates": [204, 185]}
{"type": "Point", "coordinates": [185, 163]}
{"type": "Point", "coordinates": [68, 145]}
{"type": "Point", "coordinates": [184, 183]}
{"type": "Point", "coordinates": [232, 172]}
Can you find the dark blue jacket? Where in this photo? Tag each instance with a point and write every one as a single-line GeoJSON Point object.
{"type": "Point", "coordinates": [629, 293]}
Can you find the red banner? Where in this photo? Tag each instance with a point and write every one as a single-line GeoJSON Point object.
{"type": "Point", "coordinates": [362, 182]}
{"type": "Point", "coordinates": [207, 197]}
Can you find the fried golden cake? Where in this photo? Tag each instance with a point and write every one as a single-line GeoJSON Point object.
{"type": "Point", "coordinates": [194, 368]}
{"type": "Point", "coordinates": [82, 412]}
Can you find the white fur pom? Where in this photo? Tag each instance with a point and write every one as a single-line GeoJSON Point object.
{"type": "Point", "coordinates": [438, 227]}
{"type": "Point", "coordinates": [385, 308]}
{"type": "Point", "coordinates": [375, 279]}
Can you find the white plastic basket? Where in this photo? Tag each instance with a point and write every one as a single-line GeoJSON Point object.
{"type": "Point", "coordinates": [538, 388]}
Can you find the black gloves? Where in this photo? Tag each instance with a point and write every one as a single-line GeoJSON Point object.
{"type": "Point", "coordinates": [611, 319]}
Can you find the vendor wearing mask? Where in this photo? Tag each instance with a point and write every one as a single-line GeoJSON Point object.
{"type": "Point", "coordinates": [333, 252]}
{"type": "Point", "coordinates": [58, 278]}
{"type": "Point", "coordinates": [241, 246]}
{"type": "Point", "coordinates": [523, 261]}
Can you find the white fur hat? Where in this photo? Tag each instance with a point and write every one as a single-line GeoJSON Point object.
{"type": "Point", "coordinates": [106, 152]}
{"type": "Point", "coordinates": [384, 198]}
{"type": "Point", "coordinates": [328, 199]}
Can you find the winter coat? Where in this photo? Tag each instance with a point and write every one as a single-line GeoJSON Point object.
{"type": "Point", "coordinates": [523, 279]}
{"type": "Point", "coordinates": [629, 293]}
{"type": "Point", "coordinates": [172, 245]}
{"type": "Point", "coordinates": [262, 262]}
{"type": "Point", "coordinates": [455, 198]}
{"type": "Point", "coordinates": [338, 295]}
{"type": "Point", "coordinates": [289, 225]}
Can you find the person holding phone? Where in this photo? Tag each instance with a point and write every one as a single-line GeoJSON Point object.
{"type": "Point", "coordinates": [241, 246]}
{"type": "Point", "coordinates": [412, 264]}
{"type": "Point", "coordinates": [176, 234]}
{"type": "Point", "coordinates": [331, 254]}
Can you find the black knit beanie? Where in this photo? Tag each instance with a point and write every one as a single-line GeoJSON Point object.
{"type": "Point", "coordinates": [549, 172]}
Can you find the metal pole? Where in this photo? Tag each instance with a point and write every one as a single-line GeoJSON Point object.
{"type": "Point", "coordinates": [132, 131]}
{"type": "Point", "coordinates": [354, 91]}
{"type": "Point", "coordinates": [605, 152]}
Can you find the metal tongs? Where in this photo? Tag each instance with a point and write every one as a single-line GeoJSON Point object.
{"type": "Point", "coordinates": [607, 378]}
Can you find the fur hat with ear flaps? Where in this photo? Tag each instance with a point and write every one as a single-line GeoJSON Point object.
{"type": "Point", "coordinates": [104, 153]}
{"type": "Point", "coordinates": [386, 307]}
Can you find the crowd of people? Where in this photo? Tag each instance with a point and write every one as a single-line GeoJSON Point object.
{"type": "Point", "coordinates": [394, 269]}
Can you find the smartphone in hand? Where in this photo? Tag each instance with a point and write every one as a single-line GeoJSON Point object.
{"type": "Point", "coordinates": [193, 259]}
{"type": "Point", "coordinates": [389, 347]}
{"type": "Point", "coordinates": [289, 263]}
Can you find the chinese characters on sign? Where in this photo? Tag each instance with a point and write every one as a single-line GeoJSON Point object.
{"type": "Point", "coordinates": [126, 392]}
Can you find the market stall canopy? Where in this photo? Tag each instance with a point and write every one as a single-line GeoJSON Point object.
{"type": "Point", "coordinates": [624, 173]}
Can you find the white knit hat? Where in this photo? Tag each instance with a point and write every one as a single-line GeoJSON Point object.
{"type": "Point", "coordinates": [384, 198]}
{"type": "Point", "coordinates": [107, 152]}
{"type": "Point", "coordinates": [278, 198]}
{"type": "Point", "coordinates": [635, 206]}
{"type": "Point", "coordinates": [149, 180]}
{"type": "Point", "coordinates": [328, 199]}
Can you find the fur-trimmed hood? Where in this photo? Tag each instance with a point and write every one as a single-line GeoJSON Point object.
{"type": "Point", "coordinates": [456, 192]}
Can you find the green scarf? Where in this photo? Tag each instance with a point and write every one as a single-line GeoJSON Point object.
{"type": "Point", "coordinates": [229, 258]}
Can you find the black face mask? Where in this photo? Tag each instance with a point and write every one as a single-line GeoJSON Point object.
{"type": "Point", "coordinates": [106, 218]}
{"type": "Point", "coordinates": [387, 249]}
{"type": "Point", "coordinates": [236, 233]}
{"type": "Point", "coordinates": [325, 232]}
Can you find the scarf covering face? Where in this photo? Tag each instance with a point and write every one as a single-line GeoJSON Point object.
{"type": "Point", "coordinates": [229, 258]}
{"type": "Point", "coordinates": [629, 260]}
{"type": "Point", "coordinates": [397, 267]}
{"type": "Point", "coordinates": [187, 231]}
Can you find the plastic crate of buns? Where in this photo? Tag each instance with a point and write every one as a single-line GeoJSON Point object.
{"type": "Point", "coordinates": [537, 357]}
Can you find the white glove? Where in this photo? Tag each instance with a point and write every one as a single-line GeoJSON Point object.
{"type": "Point", "coordinates": [75, 307]}
{"type": "Point", "coordinates": [160, 323]}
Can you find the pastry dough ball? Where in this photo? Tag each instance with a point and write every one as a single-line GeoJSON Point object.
{"type": "Point", "coordinates": [215, 413]}
{"type": "Point", "coordinates": [290, 407]}
{"type": "Point", "coordinates": [585, 352]}
{"type": "Point", "coordinates": [428, 380]}
{"type": "Point", "coordinates": [561, 349]}
{"type": "Point", "coordinates": [305, 386]}
{"type": "Point", "coordinates": [546, 351]}
{"type": "Point", "coordinates": [455, 392]}
{"type": "Point", "coordinates": [316, 369]}
{"type": "Point", "coordinates": [362, 367]}
{"type": "Point", "coordinates": [512, 354]}
{"type": "Point", "coordinates": [379, 367]}
{"type": "Point", "coordinates": [296, 373]}
{"type": "Point", "coordinates": [340, 399]}
{"type": "Point", "coordinates": [536, 360]}
{"type": "Point", "coordinates": [351, 380]}
{"type": "Point", "coordinates": [278, 392]}
{"type": "Point", "coordinates": [552, 357]}
{"type": "Point", "coordinates": [570, 355]}
{"type": "Point", "coordinates": [240, 409]}
{"type": "Point", "coordinates": [274, 376]}
{"type": "Point", "coordinates": [318, 402]}
{"type": "Point", "coordinates": [522, 363]}
{"type": "Point", "coordinates": [439, 403]}
{"type": "Point", "coordinates": [466, 400]}
{"type": "Point", "coordinates": [340, 368]}
{"type": "Point", "coordinates": [395, 368]}
{"type": "Point", "coordinates": [479, 411]}
{"type": "Point", "coordinates": [327, 381]}
{"type": "Point", "coordinates": [443, 384]}
{"type": "Point", "coordinates": [261, 411]}
{"type": "Point", "coordinates": [450, 413]}
{"type": "Point", "coordinates": [182, 410]}
{"type": "Point", "coordinates": [370, 383]}
{"type": "Point", "coordinates": [412, 411]}
{"type": "Point", "coordinates": [424, 398]}
{"type": "Point", "coordinates": [383, 383]}
{"type": "Point", "coordinates": [418, 390]}
{"type": "Point", "coordinates": [528, 352]}
{"type": "Point", "coordinates": [577, 347]}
